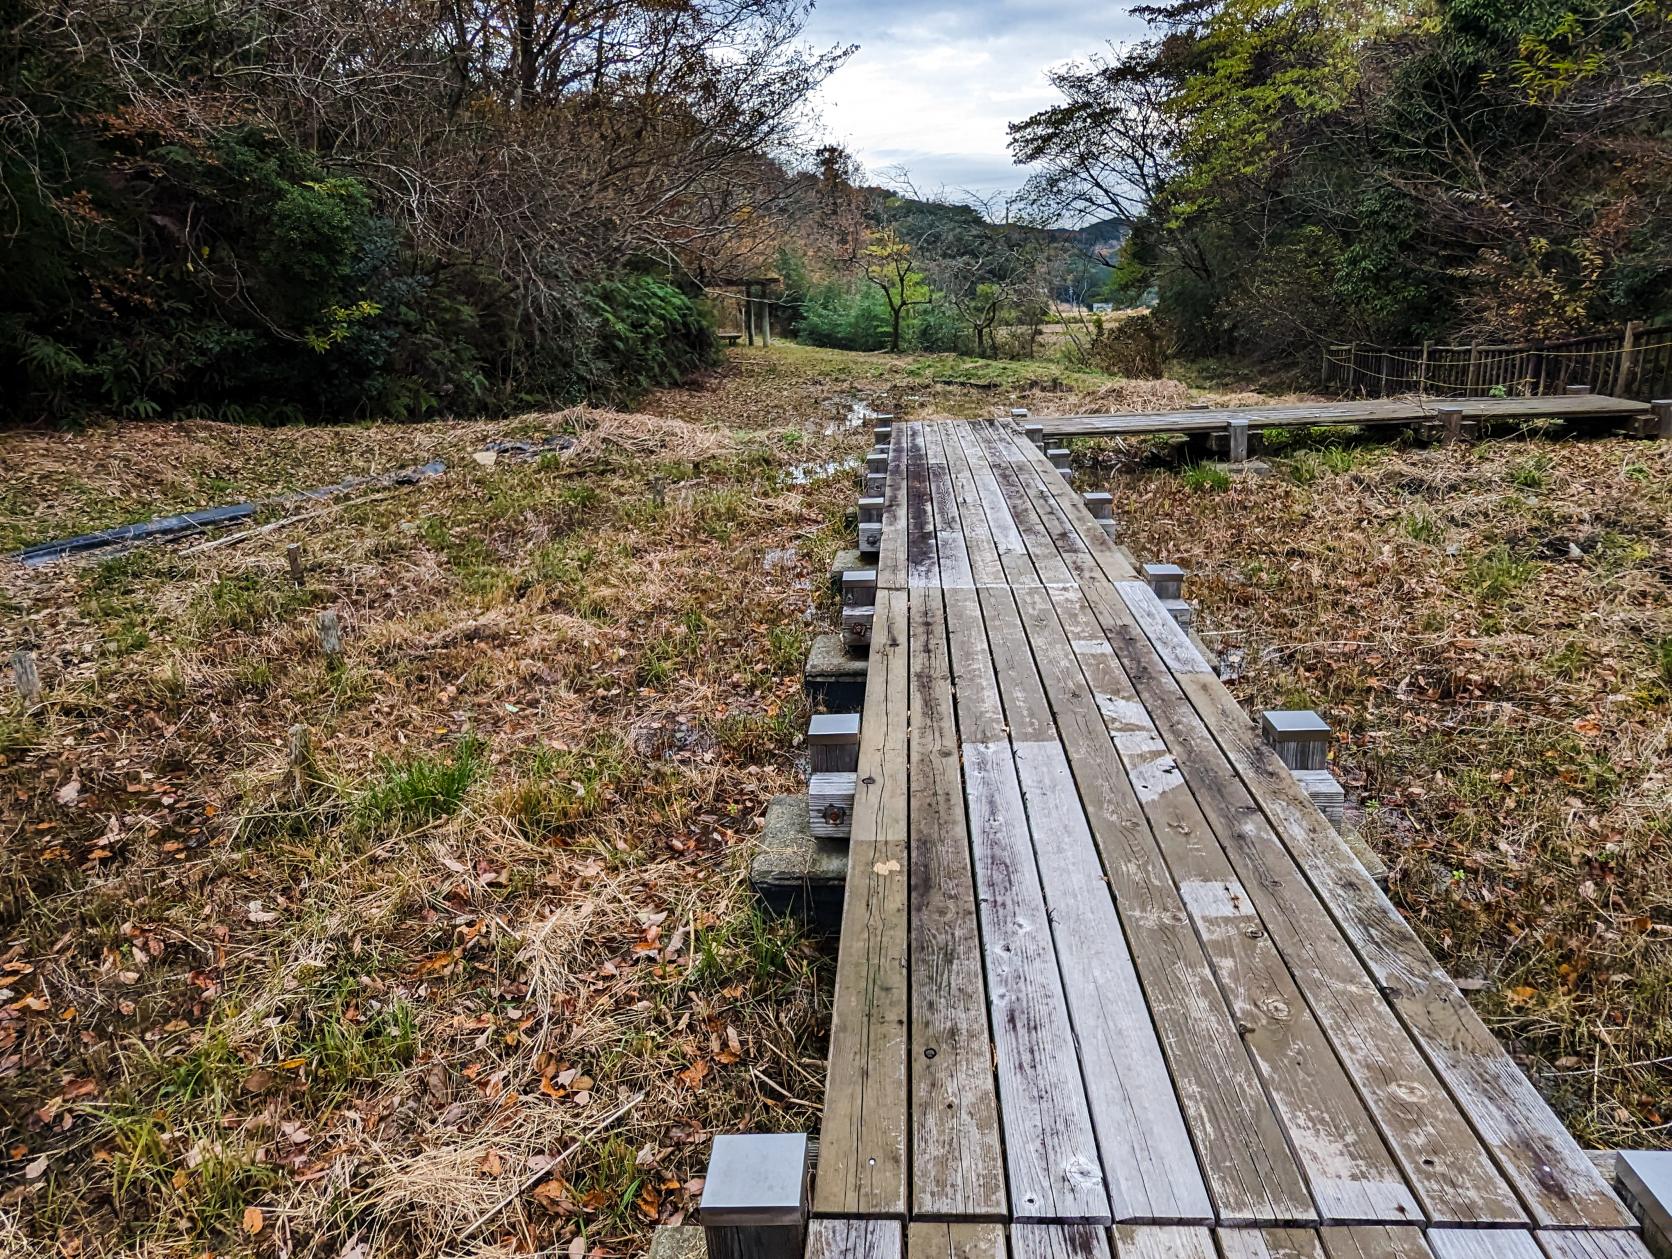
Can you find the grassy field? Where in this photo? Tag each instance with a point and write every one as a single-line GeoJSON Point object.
{"type": "Point", "coordinates": [479, 971]}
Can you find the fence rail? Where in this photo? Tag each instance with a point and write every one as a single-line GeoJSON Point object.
{"type": "Point", "coordinates": [1628, 362]}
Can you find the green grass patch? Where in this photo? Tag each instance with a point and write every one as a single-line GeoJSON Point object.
{"type": "Point", "coordinates": [1496, 574]}
{"type": "Point", "coordinates": [422, 788]}
{"type": "Point", "coordinates": [1204, 478]}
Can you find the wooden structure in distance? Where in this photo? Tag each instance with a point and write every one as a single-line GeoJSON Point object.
{"type": "Point", "coordinates": [1372, 413]}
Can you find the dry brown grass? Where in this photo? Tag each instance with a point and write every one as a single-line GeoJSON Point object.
{"type": "Point", "coordinates": [1489, 629]}
{"type": "Point", "coordinates": [502, 923]}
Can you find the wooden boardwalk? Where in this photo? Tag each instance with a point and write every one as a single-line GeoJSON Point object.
{"type": "Point", "coordinates": [1108, 982]}
{"type": "Point", "coordinates": [1307, 415]}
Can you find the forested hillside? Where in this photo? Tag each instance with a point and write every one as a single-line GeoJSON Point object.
{"type": "Point", "coordinates": [294, 209]}
{"type": "Point", "coordinates": [1386, 172]}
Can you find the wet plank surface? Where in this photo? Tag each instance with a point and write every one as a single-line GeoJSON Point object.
{"type": "Point", "coordinates": [1102, 961]}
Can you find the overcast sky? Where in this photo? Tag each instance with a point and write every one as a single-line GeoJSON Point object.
{"type": "Point", "coordinates": [933, 85]}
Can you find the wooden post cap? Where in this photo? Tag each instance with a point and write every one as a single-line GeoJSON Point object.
{"type": "Point", "coordinates": [1059, 456]}
{"type": "Point", "coordinates": [1101, 503]}
{"type": "Point", "coordinates": [1035, 433]}
{"type": "Point", "coordinates": [1576, 391]}
{"type": "Point", "coordinates": [833, 728]}
{"type": "Point", "coordinates": [1167, 580]}
{"type": "Point", "coordinates": [859, 586]}
{"type": "Point", "coordinates": [875, 484]}
{"type": "Point", "coordinates": [870, 509]}
{"type": "Point", "coordinates": [884, 433]}
{"type": "Point", "coordinates": [877, 461]}
{"type": "Point", "coordinates": [1195, 406]}
{"type": "Point", "coordinates": [1299, 736]}
{"type": "Point", "coordinates": [1018, 413]}
{"type": "Point", "coordinates": [756, 1180]}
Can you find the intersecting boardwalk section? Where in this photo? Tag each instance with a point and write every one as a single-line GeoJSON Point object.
{"type": "Point", "coordinates": [1307, 415]}
{"type": "Point", "coordinates": [1108, 982]}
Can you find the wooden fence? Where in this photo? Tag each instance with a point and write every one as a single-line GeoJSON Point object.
{"type": "Point", "coordinates": [1629, 362]}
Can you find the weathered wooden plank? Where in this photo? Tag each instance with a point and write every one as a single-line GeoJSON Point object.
{"type": "Point", "coordinates": [1591, 1244]}
{"type": "Point", "coordinates": [1058, 1241]}
{"type": "Point", "coordinates": [853, 1239]}
{"type": "Point", "coordinates": [1351, 1174]}
{"type": "Point", "coordinates": [1543, 1163]}
{"type": "Point", "coordinates": [1050, 1148]}
{"type": "Point", "coordinates": [1482, 1243]}
{"type": "Point", "coordinates": [938, 1240]}
{"type": "Point", "coordinates": [1309, 415]}
{"type": "Point", "coordinates": [957, 1168]}
{"type": "Point", "coordinates": [1269, 1243]}
{"type": "Point", "coordinates": [1243, 1156]}
{"type": "Point", "coordinates": [1440, 1155]}
{"type": "Point", "coordinates": [1372, 1241]}
{"type": "Point", "coordinates": [862, 1143]}
{"type": "Point", "coordinates": [1162, 1241]}
{"type": "Point", "coordinates": [1148, 1162]}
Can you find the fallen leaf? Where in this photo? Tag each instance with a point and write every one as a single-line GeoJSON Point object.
{"type": "Point", "coordinates": [36, 1169]}
{"type": "Point", "coordinates": [253, 1219]}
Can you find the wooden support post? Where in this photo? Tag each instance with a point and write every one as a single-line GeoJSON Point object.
{"type": "Point", "coordinates": [856, 628]}
{"type": "Point", "coordinates": [1661, 410]}
{"type": "Point", "coordinates": [293, 557]}
{"type": "Point", "coordinates": [26, 677]}
{"type": "Point", "coordinates": [1576, 391]}
{"type": "Point", "coordinates": [833, 762]}
{"type": "Point", "coordinates": [754, 1198]}
{"type": "Point", "coordinates": [1299, 736]}
{"type": "Point", "coordinates": [870, 525]}
{"type": "Point", "coordinates": [301, 759]}
{"type": "Point", "coordinates": [875, 484]}
{"type": "Point", "coordinates": [1238, 440]}
{"type": "Point", "coordinates": [859, 588]}
{"type": "Point", "coordinates": [1422, 368]}
{"type": "Point", "coordinates": [766, 318]}
{"type": "Point", "coordinates": [1060, 457]}
{"type": "Point", "coordinates": [877, 461]}
{"type": "Point", "coordinates": [330, 635]}
{"type": "Point", "coordinates": [884, 433]}
{"type": "Point", "coordinates": [833, 743]}
{"type": "Point", "coordinates": [1167, 580]}
{"type": "Point", "coordinates": [1628, 358]}
{"type": "Point", "coordinates": [1451, 423]}
{"type": "Point", "coordinates": [1018, 413]}
{"type": "Point", "coordinates": [1035, 433]}
{"type": "Point", "coordinates": [1473, 378]}
{"type": "Point", "coordinates": [1102, 506]}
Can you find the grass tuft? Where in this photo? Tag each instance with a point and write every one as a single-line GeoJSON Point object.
{"type": "Point", "coordinates": [420, 789]}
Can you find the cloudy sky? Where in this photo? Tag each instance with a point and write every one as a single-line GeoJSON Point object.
{"type": "Point", "coordinates": [933, 85]}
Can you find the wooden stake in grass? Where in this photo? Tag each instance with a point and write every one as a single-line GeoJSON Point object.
{"type": "Point", "coordinates": [331, 636]}
{"type": "Point", "coordinates": [293, 557]}
{"type": "Point", "coordinates": [27, 677]}
{"type": "Point", "coordinates": [301, 759]}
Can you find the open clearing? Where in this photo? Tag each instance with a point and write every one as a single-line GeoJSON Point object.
{"type": "Point", "coordinates": [500, 918]}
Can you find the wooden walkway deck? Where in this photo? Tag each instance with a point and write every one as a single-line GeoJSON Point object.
{"type": "Point", "coordinates": [1108, 982]}
{"type": "Point", "coordinates": [1575, 406]}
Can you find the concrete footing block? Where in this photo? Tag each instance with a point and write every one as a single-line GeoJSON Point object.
{"type": "Point", "coordinates": [794, 872]}
{"type": "Point", "coordinates": [834, 678]}
{"type": "Point", "coordinates": [678, 1241]}
{"type": "Point", "coordinates": [845, 562]}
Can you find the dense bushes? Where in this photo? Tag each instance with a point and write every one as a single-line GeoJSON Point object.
{"type": "Point", "coordinates": [1301, 171]}
{"type": "Point", "coordinates": [234, 277]}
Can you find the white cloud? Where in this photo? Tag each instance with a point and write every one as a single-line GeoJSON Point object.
{"type": "Point", "coordinates": [933, 87]}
